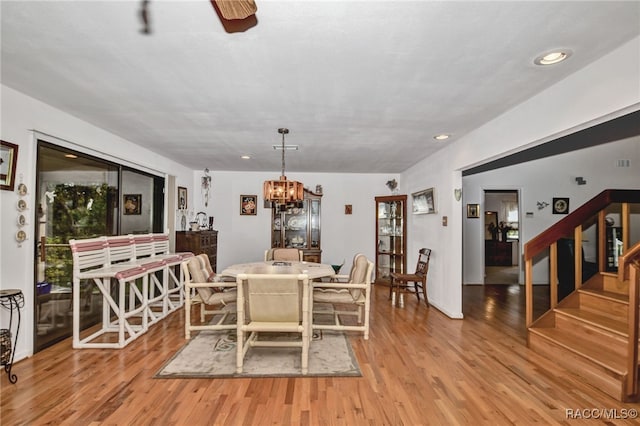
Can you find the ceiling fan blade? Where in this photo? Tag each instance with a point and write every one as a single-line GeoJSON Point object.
{"type": "Point", "coordinates": [236, 9]}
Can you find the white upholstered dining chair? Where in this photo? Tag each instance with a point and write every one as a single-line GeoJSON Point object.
{"type": "Point", "coordinates": [272, 303]}
{"type": "Point", "coordinates": [345, 290]}
{"type": "Point", "coordinates": [202, 287]}
{"type": "Point", "coordinates": [290, 254]}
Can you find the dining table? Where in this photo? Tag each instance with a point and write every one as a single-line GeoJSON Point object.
{"type": "Point", "coordinates": [314, 271]}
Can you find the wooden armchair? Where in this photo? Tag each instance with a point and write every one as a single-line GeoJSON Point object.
{"type": "Point", "coordinates": [272, 303]}
{"type": "Point", "coordinates": [201, 286]}
{"type": "Point", "coordinates": [344, 290]}
{"type": "Point", "coordinates": [411, 283]}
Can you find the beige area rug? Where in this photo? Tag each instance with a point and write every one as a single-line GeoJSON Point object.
{"type": "Point", "coordinates": [212, 354]}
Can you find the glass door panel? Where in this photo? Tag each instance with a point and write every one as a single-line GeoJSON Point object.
{"type": "Point", "coordinates": [76, 198]}
{"type": "Point", "coordinates": [79, 196]}
{"type": "Point", "coordinates": [390, 237]}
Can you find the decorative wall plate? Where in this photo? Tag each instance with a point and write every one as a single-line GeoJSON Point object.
{"type": "Point", "coordinates": [22, 220]}
{"type": "Point", "coordinates": [21, 236]}
{"type": "Point", "coordinates": [22, 189]}
{"type": "Point", "coordinates": [22, 205]}
{"type": "Point", "coordinates": [560, 205]}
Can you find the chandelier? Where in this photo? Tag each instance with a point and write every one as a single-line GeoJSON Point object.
{"type": "Point", "coordinates": [283, 193]}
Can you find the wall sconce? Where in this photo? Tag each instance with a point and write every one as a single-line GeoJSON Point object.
{"type": "Point", "coordinates": [542, 204]}
{"type": "Point", "coordinates": [581, 181]}
{"type": "Point", "coordinates": [457, 193]}
{"type": "Point", "coordinates": [206, 185]}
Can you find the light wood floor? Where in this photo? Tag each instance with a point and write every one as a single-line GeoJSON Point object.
{"type": "Point", "coordinates": [419, 367]}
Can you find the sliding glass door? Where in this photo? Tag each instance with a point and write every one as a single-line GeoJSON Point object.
{"type": "Point", "coordinates": [80, 196]}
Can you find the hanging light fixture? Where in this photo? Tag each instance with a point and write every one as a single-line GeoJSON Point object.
{"type": "Point", "coordinates": [283, 193]}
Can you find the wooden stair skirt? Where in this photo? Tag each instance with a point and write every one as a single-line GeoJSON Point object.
{"type": "Point", "coordinates": [587, 334]}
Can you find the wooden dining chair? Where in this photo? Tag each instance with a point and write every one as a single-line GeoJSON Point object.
{"type": "Point", "coordinates": [411, 283]}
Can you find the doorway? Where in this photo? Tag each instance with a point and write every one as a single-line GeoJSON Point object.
{"type": "Point", "coordinates": [502, 237]}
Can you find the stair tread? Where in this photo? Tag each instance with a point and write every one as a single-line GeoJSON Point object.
{"type": "Point", "coordinates": [601, 321]}
{"type": "Point", "coordinates": [594, 352]}
{"type": "Point", "coordinates": [606, 294]}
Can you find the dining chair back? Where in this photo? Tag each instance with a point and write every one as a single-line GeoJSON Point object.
{"type": "Point", "coordinates": [412, 283]}
{"type": "Point", "coordinates": [343, 290]}
{"type": "Point", "coordinates": [274, 303]}
{"type": "Point", "coordinates": [284, 254]}
{"type": "Point", "coordinates": [202, 288]}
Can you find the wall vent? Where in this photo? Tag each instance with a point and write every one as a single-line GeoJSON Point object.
{"type": "Point", "coordinates": [623, 163]}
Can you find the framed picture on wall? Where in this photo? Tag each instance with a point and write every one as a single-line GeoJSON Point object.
{"type": "Point", "coordinates": [473, 210]}
{"type": "Point", "coordinates": [424, 202]}
{"type": "Point", "coordinates": [561, 205]}
{"type": "Point", "coordinates": [248, 204]}
{"type": "Point", "coordinates": [132, 203]}
{"type": "Point", "coordinates": [182, 197]}
{"type": "Point", "coordinates": [8, 162]}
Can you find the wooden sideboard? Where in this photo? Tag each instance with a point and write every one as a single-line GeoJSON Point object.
{"type": "Point", "coordinates": [498, 253]}
{"type": "Point", "coordinates": [199, 242]}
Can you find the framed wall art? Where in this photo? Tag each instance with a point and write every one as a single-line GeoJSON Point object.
{"type": "Point", "coordinates": [8, 163]}
{"type": "Point", "coordinates": [182, 198]}
{"type": "Point", "coordinates": [560, 205]}
{"type": "Point", "coordinates": [248, 204]}
{"type": "Point", "coordinates": [132, 203]}
{"type": "Point", "coordinates": [473, 211]}
{"type": "Point", "coordinates": [424, 202]}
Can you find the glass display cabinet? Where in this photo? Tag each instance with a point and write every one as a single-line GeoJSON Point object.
{"type": "Point", "coordinates": [299, 227]}
{"type": "Point", "coordinates": [391, 229]}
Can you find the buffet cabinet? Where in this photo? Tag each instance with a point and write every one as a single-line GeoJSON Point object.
{"type": "Point", "coordinates": [299, 227]}
{"type": "Point", "coordinates": [498, 253]}
{"type": "Point", "coordinates": [391, 241]}
{"type": "Point", "coordinates": [198, 242]}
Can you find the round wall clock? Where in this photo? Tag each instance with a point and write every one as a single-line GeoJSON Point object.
{"type": "Point", "coordinates": [560, 205]}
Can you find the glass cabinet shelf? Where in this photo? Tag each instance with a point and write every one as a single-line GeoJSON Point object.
{"type": "Point", "coordinates": [299, 227]}
{"type": "Point", "coordinates": [391, 231]}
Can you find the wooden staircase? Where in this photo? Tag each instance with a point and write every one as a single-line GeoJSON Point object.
{"type": "Point", "coordinates": [587, 334]}
{"type": "Point", "coordinates": [593, 332]}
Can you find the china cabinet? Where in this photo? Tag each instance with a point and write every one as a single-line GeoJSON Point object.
{"type": "Point", "coordinates": [299, 227]}
{"type": "Point", "coordinates": [391, 229]}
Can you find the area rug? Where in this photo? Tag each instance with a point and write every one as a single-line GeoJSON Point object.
{"type": "Point", "coordinates": [212, 354]}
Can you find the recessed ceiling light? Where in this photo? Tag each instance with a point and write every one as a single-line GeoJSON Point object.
{"type": "Point", "coordinates": [245, 157]}
{"type": "Point", "coordinates": [553, 57]}
{"type": "Point", "coordinates": [441, 137]}
{"type": "Point", "coordinates": [71, 156]}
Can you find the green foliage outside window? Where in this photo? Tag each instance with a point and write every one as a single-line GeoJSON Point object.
{"type": "Point", "coordinates": [75, 212]}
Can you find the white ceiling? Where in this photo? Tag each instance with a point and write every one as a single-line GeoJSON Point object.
{"type": "Point", "coordinates": [362, 85]}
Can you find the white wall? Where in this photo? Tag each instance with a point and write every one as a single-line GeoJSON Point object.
{"type": "Point", "coordinates": [243, 238]}
{"type": "Point", "coordinates": [542, 180]}
{"type": "Point", "coordinates": [20, 116]}
{"type": "Point", "coordinates": [600, 91]}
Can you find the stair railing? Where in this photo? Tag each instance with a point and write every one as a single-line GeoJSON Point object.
{"type": "Point", "coordinates": [629, 268]}
{"type": "Point", "coordinates": [572, 224]}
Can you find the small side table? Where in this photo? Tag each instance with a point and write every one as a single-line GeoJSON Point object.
{"type": "Point", "coordinates": [12, 300]}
